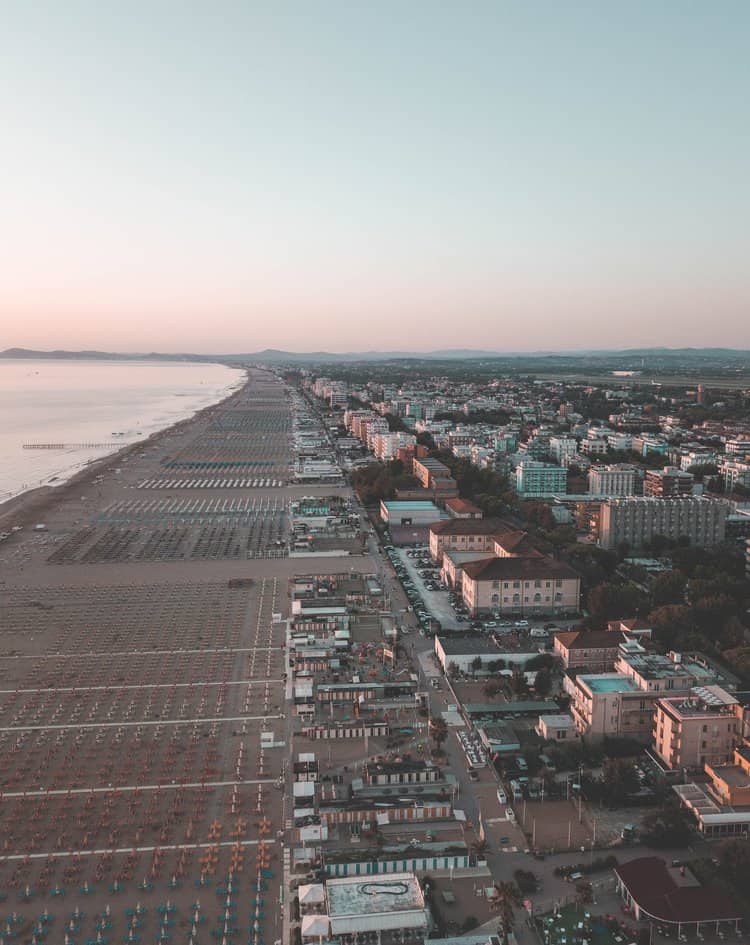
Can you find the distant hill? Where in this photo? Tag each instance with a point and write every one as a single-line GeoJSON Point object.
{"type": "Point", "coordinates": [31, 354]}
{"type": "Point", "coordinates": [274, 355]}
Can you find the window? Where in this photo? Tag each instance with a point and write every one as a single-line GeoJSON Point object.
{"type": "Point", "coordinates": [558, 583]}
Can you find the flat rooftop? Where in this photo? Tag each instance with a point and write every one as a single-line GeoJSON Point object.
{"type": "Point", "coordinates": [608, 682]}
{"type": "Point", "coordinates": [480, 645]}
{"type": "Point", "coordinates": [557, 721]}
{"type": "Point", "coordinates": [351, 896]}
{"type": "Point", "coordinates": [732, 775]}
{"type": "Point", "coordinates": [409, 504]}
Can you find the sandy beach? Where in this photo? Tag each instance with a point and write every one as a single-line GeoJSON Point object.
{"type": "Point", "coordinates": [142, 684]}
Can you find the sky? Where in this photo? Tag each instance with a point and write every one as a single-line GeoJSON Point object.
{"type": "Point", "coordinates": [225, 177]}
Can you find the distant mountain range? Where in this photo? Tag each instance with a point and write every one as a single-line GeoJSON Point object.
{"type": "Point", "coordinates": [277, 356]}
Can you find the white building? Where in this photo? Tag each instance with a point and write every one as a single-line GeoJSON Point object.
{"type": "Point", "coordinates": [561, 447]}
{"type": "Point", "coordinates": [359, 906]}
{"type": "Point", "coordinates": [535, 479]}
{"type": "Point", "coordinates": [735, 473]}
{"type": "Point", "coordinates": [617, 479]}
{"type": "Point", "coordinates": [557, 728]}
{"type": "Point", "coordinates": [386, 445]}
{"type": "Point", "coordinates": [622, 442]}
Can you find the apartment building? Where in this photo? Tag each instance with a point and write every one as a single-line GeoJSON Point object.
{"type": "Point", "coordinates": [429, 471]}
{"type": "Point", "coordinates": [739, 445]}
{"type": "Point", "coordinates": [518, 586]}
{"type": "Point", "coordinates": [696, 457]}
{"type": "Point", "coordinates": [721, 806]}
{"type": "Point", "coordinates": [645, 444]}
{"type": "Point", "coordinates": [609, 704]}
{"type": "Point", "coordinates": [636, 520]}
{"type": "Point", "coordinates": [701, 728]}
{"type": "Point", "coordinates": [653, 672]}
{"type": "Point", "coordinates": [735, 473]}
{"type": "Point", "coordinates": [623, 702]}
{"type": "Point", "coordinates": [593, 651]}
{"type": "Point", "coordinates": [535, 479]}
{"type": "Point", "coordinates": [667, 482]}
{"type": "Point", "coordinates": [617, 479]}
{"type": "Point", "coordinates": [386, 444]}
{"type": "Point", "coordinates": [562, 446]}
{"type": "Point", "coordinates": [594, 446]}
{"type": "Point", "coordinates": [464, 534]}
{"type": "Point", "coordinates": [620, 442]}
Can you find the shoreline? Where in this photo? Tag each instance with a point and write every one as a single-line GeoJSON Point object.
{"type": "Point", "coordinates": [28, 507]}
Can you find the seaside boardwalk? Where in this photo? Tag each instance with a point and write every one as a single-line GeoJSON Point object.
{"type": "Point", "coordinates": [144, 732]}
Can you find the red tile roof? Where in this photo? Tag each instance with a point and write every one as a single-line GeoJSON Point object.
{"type": "Point", "coordinates": [590, 639]}
{"type": "Point", "coordinates": [504, 569]}
{"type": "Point", "coordinates": [654, 889]}
{"type": "Point", "coordinates": [517, 543]}
{"type": "Point", "coordinates": [463, 505]}
{"type": "Point", "coordinates": [468, 526]}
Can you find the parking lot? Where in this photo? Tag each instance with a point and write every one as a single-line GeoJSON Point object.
{"type": "Point", "coordinates": [436, 602]}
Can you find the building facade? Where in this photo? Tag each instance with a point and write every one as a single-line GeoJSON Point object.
{"type": "Point", "coordinates": [698, 729]}
{"type": "Point", "coordinates": [531, 586]}
{"type": "Point", "coordinates": [667, 482]}
{"type": "Point", "coordinates": [464, 535]}
{"type": "Point", "coordinates": [536, 479]}
{"type": "Point", "coordinates": [635, 521]}
{"type": "Point", "coordinates": [617, 479]}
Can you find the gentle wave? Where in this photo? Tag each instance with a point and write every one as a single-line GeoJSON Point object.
{"type": "Point", "coordinates": [113, 403]}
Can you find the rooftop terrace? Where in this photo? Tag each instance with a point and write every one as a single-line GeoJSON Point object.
{"type": "Point", "coordinates": [608, 682]}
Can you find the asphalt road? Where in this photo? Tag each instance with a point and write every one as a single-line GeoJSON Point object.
{"type": "Point", "coordinates": [503, 858]}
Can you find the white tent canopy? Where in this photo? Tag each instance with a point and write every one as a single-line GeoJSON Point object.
{"type": "Point", "coordinates": [312, 894]}
{"type": "Point", "coordinates": [315, 926]}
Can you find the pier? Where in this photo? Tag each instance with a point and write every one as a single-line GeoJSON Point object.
{"type": "Point", "coordinates": [74, 446]}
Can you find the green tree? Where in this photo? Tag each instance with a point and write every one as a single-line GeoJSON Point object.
{"type": "Point", "coordinates": [543, 682]}
{"type": "Point", "coordinates": [507, 898]}
{"type": "Point", "coordinates": [667, 827]}
{"type": "Point", "coordinates": [518, 682]}
{"type": "Point", "coordinates": [491, 688]}
{"type": "Point", "coordinates": [438, 730]}
{"type": "Point", "coordinates": [607, 601]}
{"type": "Point", "coordinates": [668, 588]}
{"type": "Point", "coordinates": [671, 623]}
{"type": "Point", "coordinates": [619, 779]}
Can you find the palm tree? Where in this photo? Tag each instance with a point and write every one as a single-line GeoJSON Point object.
{"type": "Point", "coordinates": [439, 730]}
{"type": "Point", "coordinates": [491, 688]}
{"type": "Point", "coordinates": [508, 899]}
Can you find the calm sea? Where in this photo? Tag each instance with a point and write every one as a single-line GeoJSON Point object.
{"type": "Point", "coordinates": [92, 402]}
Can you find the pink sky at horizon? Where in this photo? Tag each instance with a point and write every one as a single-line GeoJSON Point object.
{"type": "Point", "coordinates": [307, 177]}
